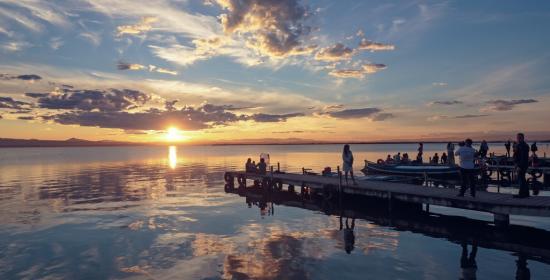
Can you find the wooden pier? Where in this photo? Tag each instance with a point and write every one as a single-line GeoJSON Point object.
{"type": "Point", "coordinates": [500, 205]}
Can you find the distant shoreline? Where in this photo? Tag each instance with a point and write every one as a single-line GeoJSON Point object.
{"type": "Point", "coordinates": [75, 143]}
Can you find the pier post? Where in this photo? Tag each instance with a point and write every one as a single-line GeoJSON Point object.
{"type": "Point", "coordinates": [501, 220]}
{"type": "Point", "coordinates": [278, 167]}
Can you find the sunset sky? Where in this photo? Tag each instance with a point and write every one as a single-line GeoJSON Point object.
{"type": "Point", "coordinates": [229, 70]}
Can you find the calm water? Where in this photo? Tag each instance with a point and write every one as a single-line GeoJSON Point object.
{"type": "Point", "coordinates": [163, 213]}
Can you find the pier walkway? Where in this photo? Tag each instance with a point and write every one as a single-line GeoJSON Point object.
{"type": "Point", "coordinates": [501, 205]}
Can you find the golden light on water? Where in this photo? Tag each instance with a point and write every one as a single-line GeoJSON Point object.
{"type": "Point", "coordinates": [173, 134]}
{"type": "Point", "coordinates": [172, 157]}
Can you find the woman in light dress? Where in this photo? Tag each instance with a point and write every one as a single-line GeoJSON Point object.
{"type": "Point", "coordinates": [347, 157]}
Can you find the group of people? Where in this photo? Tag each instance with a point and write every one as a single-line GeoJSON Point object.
{"type": "Point", "coordinates": [252, 167]}
{"type": "Point", "coordinates": [468, 171]}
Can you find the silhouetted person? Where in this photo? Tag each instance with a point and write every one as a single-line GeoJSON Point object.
{"type": "Point", "coordinates": [508, 145]}
{"type": "Point", "coordinates": [435, 159]}
{"type": "Point", "coordinates": [483, 149]}
{"type": "Point", "coordinates": [420, 152]}
{"type": "Point", "coordinates": [349, 235]}
{"type": "Point", "coordinates": [466, 156]}
{"type": "Point", "coordinates": [534, 149]}
{"type": "Point", "coordinates": [262, 167]}
{"type": "Point", "coordinates": [444, 158]}
{"type": "Point", "coordinates": [406, 158]}
{"type": "Point", "coordinates": [254, 167]}
{"type": "Point", "coordinates": [389, 159]}
{"type": "Point", "coordinates": [522, 271]}
{"type": "Point", "coordinates": [468, 261]}
{"type": "Point", "coordinates": [397, 157]}
{"type": "Point", "coordinates": [347, 158]}
{"type": "Point", "coordinates": [248, 165]}
{"type": "Point", "coordinates": [521, 159]}
{"type": "Point", "coordinates": [451, 153]}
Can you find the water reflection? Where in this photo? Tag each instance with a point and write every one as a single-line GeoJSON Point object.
{"type": "Point", "coordinates": [406, 217]}
{"type": "Point", "coordinates": [172, 157]}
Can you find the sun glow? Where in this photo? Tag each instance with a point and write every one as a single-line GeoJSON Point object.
{"type": "Point", "coordinates": [172, 157]}
{"type": "Point", "coordinates": [173, 134]}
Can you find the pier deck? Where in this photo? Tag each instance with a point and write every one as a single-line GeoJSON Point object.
{"type": "Point", "coordinates": [501, 205]}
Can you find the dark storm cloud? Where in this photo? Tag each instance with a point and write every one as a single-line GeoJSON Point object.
{"type": "Point", "coordinates": [186, 118]}
{"type": "Point", "coordinates": [10, 103]}
{"type": "Point", "coordinates": [507, 105]}
{"type": "Point", "coordinates": [89, 100]}
{"type": "Point", "coordinates": [447, 102]}
{"type": "Point", "coordinates": [24, 77]}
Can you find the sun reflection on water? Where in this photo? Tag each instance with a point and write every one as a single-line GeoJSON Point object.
{"type": "Point", "coordinates": [172, 156]}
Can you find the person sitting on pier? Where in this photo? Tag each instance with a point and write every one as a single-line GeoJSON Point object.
{"type": "Point", "coordinates": [405, 159]}
{"type": "Point", "coordinates": [521, 159]}
{"type": "Point", "coordinates": [466, 156]}
{"type": "Point", "coordinates": [262, 167]}
{"type": "Point", "coordinates": [444, 158]}
{"type": "Point", "coordinates": [397, 157]}
{"type": "Point", "coordinates": [254, 167]}
{"type": "Point", "coordinates": [435, 159]}
{"type": "Point", "coordinates": [389, 159]}
{"type": "Point", "coordinates": [347, 157]}
{"type": "Point", "coordinates": [248, 165]}
{"type": "Point", "coordinates": [508, 145]}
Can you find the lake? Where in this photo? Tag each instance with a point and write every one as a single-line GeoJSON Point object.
{"type": "Point", "coordinates": [164, 213]}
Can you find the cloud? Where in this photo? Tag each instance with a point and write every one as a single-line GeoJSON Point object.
{"type": "Point", "coordinates": [10, 103]}
{"type": "Point", "coordinates": [374, 114]}
{"type": "Point", "coordinates": [272, 118]}
{"type": "Point", "coordinates": [23, 77]}
{"type": "Point", "coordinates": [121, 65]}
{"type": "Point", "coordinates": [15, 46]}
{"type": "Point", "coordinates": [446, 102]}
{"type": "Point", "coordinates": [357, 73]}
{"type": "Point", "coordinates": [507, 105]}
{"type": "Point", "coordinates": [469, 116]}
{"type": "Point", "coordinates": [439, 84]}
{"type": "Point", "coordinates": [92, 37]}
{"type": "Point", "coordinates": [90, 100]}
{"type": "Point", "coordinates": [143, 26]}
{"type": "Point", "coordinates": [274, 28]}
{"type": "Point", "coordinates": [186, 118]}
{"type": "Point", "coordinates": [334, 53]}
{"type": "Point", "coordinates": [374, 46]}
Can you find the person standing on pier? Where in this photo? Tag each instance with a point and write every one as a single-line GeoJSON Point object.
{"type": "Point", "coordinates": [420, 152]}
{"type": "Point", "coordinates": [451, 153]}
{"type": "Point", "coordinates": [521, 159]}
{"type": "Point", "coordinates": [466, 155]}
{"type": "Point", "coordinates": [508, 145]}
{"type": "Point", "coordinates": [483, 149]}
{"type": "Point", "coordinates": [347, 158]}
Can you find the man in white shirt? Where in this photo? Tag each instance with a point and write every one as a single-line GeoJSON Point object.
{"type": "Point", "coordinates": [466, 156]}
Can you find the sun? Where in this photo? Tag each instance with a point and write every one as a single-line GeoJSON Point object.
{"type": "Point", "coordinates": [173, 134]}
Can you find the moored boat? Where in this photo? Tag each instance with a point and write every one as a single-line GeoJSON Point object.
{"type": "Point", "coordinates": [417, 170]}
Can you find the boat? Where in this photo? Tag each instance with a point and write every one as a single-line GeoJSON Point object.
{"type": "Point", "coordinates": [438, 171]}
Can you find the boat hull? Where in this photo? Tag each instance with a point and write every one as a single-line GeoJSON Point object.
{"type": "Point", "coordinates": [431, 171]}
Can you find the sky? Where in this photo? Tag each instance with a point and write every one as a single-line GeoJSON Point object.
{"type": "Point", "coordinates": [243, 70]}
